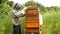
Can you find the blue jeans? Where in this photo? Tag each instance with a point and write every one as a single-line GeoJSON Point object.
{"type": "Point", "coordinates": [16, 29]}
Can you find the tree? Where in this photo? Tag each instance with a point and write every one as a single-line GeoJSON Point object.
{"type": "Point", "coordinates": [10, 3]}
{"type": "Point", "coordinates": [3, 1]}
{"type": "Point", "coordinates": [32, 3]}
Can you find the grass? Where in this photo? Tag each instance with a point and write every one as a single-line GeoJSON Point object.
{"type": "Point", "coordinates": [51, 23]}
{"type": "Point", "coordinates": [1, 32]}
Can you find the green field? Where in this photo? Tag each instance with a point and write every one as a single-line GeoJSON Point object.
{"type": "Point", "coordinates": [51, 18]}
{"type": "Point", "coordinates": [51, 24]}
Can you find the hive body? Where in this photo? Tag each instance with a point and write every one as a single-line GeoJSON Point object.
{"type": "Point", "coordinates": [32, 20]}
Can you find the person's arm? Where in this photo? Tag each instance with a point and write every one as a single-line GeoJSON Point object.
{"type": "Point", "coordinates": [23, 11]}
{"type": "Point", "coordinates": [19, 13]}
{"type": "Point", "coordinates": [16, 14]}
{"type": "Point", "coordinates": [40, 19]}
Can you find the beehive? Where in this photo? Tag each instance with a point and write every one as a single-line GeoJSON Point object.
{"type": "Point", "coordinates": [32, 20]}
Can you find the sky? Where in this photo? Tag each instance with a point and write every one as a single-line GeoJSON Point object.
{"type": "Point", "coordinates": [46, 3]}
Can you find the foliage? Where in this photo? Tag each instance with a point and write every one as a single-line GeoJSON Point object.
{"type": "Point", "coordinates": [3, 1]}
{"type": "Point", "coordinates": [51, 21]}
{"type": "Point", "coordinates": [51, 17]}
{"type": "Point", "coordinates": [10, 3]}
